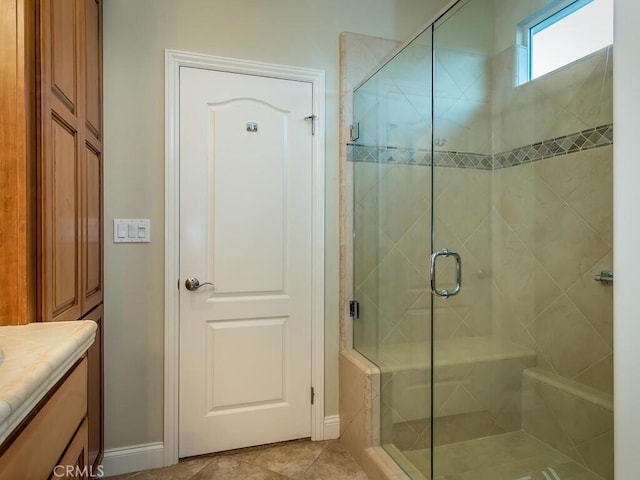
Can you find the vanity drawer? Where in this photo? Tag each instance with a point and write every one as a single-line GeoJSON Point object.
{"type": "Point", "coordinates": [39, 446]}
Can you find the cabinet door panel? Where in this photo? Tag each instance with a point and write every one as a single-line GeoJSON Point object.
{"type": "Point", "coordinates": [92, 236]}
{"type": "Point", "coordinates": [94, 67]}
{"type": "Point", "coordinates": [95, 386]}
{"type": "Point", "coordinates": [64, 48]}
{"type": "Point", "coordinates": [64, 222]}
{"type": "Point", "coordinates": [74, 459]}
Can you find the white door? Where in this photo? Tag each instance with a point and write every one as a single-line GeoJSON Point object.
{"type": "Point", "coordinates": [245, 226]}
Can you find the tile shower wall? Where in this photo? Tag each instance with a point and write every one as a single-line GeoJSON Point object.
{"type": "Point", "coordinates": [531, 218]}
{"type": "Point", "coordinates": [552, 232]}
{"type": "Point", "coordinates": [552, 222]}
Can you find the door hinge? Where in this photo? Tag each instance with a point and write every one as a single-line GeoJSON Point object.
{"type": "Point", "coordinates": [313, 123]}
{"type": "Point", "coordinates": [354, 131]}
{"type": "Point", "coordinates": [354, 309]}
{"type": "Point", "coordinates": [313, 395]}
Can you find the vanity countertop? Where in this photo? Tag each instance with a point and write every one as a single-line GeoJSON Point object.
{"type": "Point", "coordinates": [36, 357]}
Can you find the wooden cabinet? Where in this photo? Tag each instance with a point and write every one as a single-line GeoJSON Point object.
{"type": "Point", "coordinates": [70, 166]}
{"type": "Point", "coordinates": [18, 226]}
{"type": "Point", "coordinates": [95, 403]}
{"type": "Point", "coordinates": [51, 164]}
{"type": "Point", "coordinates": [70, 149]}
{"type": "Point", "coordinates": [54, 434]}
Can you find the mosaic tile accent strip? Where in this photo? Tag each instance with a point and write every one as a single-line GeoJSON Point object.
{"type": "Point", "coordinates": [405, 156]}
{"type": "Point", "coordinates": [585, 140]}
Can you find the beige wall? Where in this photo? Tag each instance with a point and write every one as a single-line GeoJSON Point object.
{"type": "Point", "coordinates": [291, 32]}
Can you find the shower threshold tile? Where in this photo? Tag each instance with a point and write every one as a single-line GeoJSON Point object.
{"type": "Point", "coordinates": [510, 456]}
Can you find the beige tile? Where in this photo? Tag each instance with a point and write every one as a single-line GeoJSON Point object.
{"type": "Point", "coordinates": [584, 181]}
{"type": "Point", "coordinates": [357, 436]}
{"type": "Point", "coordinates": [465, 204]}
{"type": "Point", "coordinates": [230, 468]}
{"type": "Point", "coordinates": [460, 401]}
{"type": "Point", "coordinates": [552, 120]}
{"type": "Point", "coordinates": [403, 197]}
{"type": "Point", "coordinates": [599, 375]}
{"type": "Point", "coordinates": [581, 420]}
{"type": "Point", "coordinates": [335, 463]}
{"type": "Point", "coordinates": [362, 54]}
{"type": "Point", "coordinates": [567, 340]}
{"type": "Point", "coordinates": [538, 420]}
{"type": "Point", "coordinates": [598, 454]}
{"type": "Point", "coordinates": [352, 391]}
{"type": "Point", "coordinates": [372, 244]}
{"type": "Point", "coordinates": [567, 246]}
{"type": "Point", "coordinates": [416, 242]}
{"type": "Point", "coordinates": [524, 287]}
{"type": "Point", "coordinates": [290, 459]}
{"type": "Point", "coordinates": [445, 320]}
{"type": "Point", "coordinates": [416, 323]}
{"type": "Point", "coordinates": [365, 328]}
{"type": "Point", "coordinates": [459, 428]}
{"type": "Point", "coordinates": [579, 429]}
{"type": "Point", "coordinates": [595, 299]}
{"type": "Point", "coordinates": [398, 285]}
{"type": "Point", "coordinates": [183, 470]}
{"type": "Point", "coordinates": [404, 435]}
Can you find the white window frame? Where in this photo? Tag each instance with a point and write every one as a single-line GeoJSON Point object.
{"type": "Point", "coordinates": [547, 16]}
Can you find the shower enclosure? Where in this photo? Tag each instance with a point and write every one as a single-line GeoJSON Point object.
{"type": "Point", "coordinates": [482, 242]}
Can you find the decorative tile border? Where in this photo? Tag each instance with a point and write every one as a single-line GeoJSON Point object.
{"type": "Point", "coordinates": [405, 156]}
{"type": "Point", "coordinates": [585, 140]}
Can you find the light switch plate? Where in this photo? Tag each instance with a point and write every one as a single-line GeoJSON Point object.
{"type": "Point", "coordinates": [131, 230]}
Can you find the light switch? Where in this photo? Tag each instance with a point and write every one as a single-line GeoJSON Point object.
{"type": "Point", "coordinates": [129, 230]}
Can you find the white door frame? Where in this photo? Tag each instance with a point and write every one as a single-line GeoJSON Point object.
{"type": "Point", "coordinates": [173, 61]}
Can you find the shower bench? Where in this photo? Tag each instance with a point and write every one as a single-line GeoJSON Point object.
{"type": "Point", "coordinates": [477, 388]}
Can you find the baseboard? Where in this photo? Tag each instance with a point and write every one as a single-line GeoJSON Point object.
{"type": "Point", "coordinates": [331, 427]}
{"type": "Point", "coordinates": [133, 459]}
{"type": "Point", "coordinates": [146, 457]}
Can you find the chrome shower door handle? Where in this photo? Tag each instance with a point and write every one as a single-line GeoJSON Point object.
{"type": "Point", "coordinates": [432, 273]}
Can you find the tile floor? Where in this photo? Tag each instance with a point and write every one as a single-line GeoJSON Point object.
{"type": "Point", "coordinates": [297, 460]}
{"type": "Point", "coordinates": [510, 456]}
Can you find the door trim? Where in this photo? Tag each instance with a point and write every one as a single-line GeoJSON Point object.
{"type": "Point", "coordinates": [174, 60]}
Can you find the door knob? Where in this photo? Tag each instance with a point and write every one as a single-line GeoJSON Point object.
{"type": "Point", "coordinates": [193, 284]}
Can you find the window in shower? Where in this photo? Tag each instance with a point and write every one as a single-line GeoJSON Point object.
{"type": "Point", "coordinates": [561, 33]}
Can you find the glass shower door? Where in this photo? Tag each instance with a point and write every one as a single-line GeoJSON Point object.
{"type": "Point", "coordinates": [392, 240]}
{"type": "Point", "coordinates": [522, 370]}
{"type": "Point", "coordinates": [463, 374]}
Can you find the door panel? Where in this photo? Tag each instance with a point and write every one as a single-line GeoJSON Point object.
{"type": "Point", "coordinates": [245, 210]}
{"type": "Point", "coordinates": [64, 39]}
{"type": "Point", "coordinates": [65, 221]}
{"type": "Point", "coordinates": [93, 57]}
{"type": "Point", "coordinates": [233, 236]}
{"type": "Point", "coordinates": [92, 225]}
{"type": "Point", "coordinates": [256, 379]}
{"type": "Point", "coordinates": [95, 389]}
